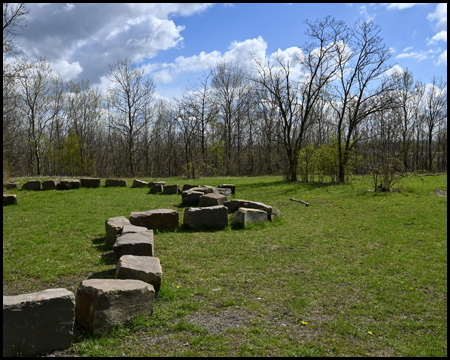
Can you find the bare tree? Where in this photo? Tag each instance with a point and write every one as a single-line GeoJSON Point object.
{"type": "Point", "coordinates": [131, 97]}
{"type": "Point", "coordinates": [13, 17]}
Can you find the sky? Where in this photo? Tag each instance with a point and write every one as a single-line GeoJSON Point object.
{"type": "Point", "coordinates": [176, 44]}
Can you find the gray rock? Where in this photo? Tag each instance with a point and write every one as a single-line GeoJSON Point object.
{"type": "Point", "coordinates": [171, 189]}
{"type": "Point", "coordinates": [153, 183]}
{"type": "Point", "coordinates": [11, 185]}
{"type": "Point", "coordinates": [114, 228]}
{"type": "Point", "coordinates": [116, 182]}
{"type": "Point", "coordinates": [139, 183]}
{"type": "Point", "coordinates": [69, 184]}
{"type": "Point", "coordinates": [144, 268]}
{"type": "Point", "coordinates": [215, 217]}
{"type": "Point", "coordinates": [50, 184]}
{"type": "Point", "coordinates": [132, 229]}
{"type": "Point", "coordinates": [188, 187]}
{"type": "Point", "coordinates": [158, 219]}
{"type": "Point", "coordinates": [9, 199]}
{"type": "Point", "coordinates": [103, 303]}
{"type": "Point", "coordinates": [37, 323]}
{"type": "Point", "coordinates": [232, 187]}
{"type": "Point", "coordinates": [225, 192]}
{"type": "Point", "coordinates": [32, 185]}
{"type": "Point", "coordinates": [90, 182]}
{"type": "Point", "coordinates": [191, 197]}
{"type": "Point", "coordinates": [243, 216]}
{"type": "Point", "coordinates": [212, 199]}
{"type": "Point", "coordinates": [156, 189]}
{"type": "Point", "coordinates": [140, 244]}
{"type": "Point", "coordinates": [235, 204]}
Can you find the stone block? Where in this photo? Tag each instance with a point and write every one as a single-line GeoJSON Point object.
{"type": "Point", "coordinates": [139, 244]}
{"type": "Point", "coordinates": [225, 192]}
{"type": "Point", "coordinates": [144, 268]}
{"type": "Point", "coordinates": [90, 182]}
{"type": "Point", "coordinates": [215, 217]}
{"type": "Point", "coordinates": [132, 229]}
{"type": "Point", "coordinates": [154, 183]}
{"type": "Point", "coordinates": [69, 184]}
{"type": "Point", "coordinates": [212, 200]}
{"type": "Point", "coordinates": [232, 187]}
{"type": "Point", "coordinates": [171, 189]}
{"type": "Point", "coordinates": [243, 216]}
{"type": "Point", "coordinates": [191, 197]}
{"type": "Point", "coordinates": [158, 219]}
{"type": "Point", "coordinates": [116, 182]}
{"type": "Point", "coordinates": [188, 187]}
{"type": "Point", "coordinates": [32, 185]}
{"type": "Point", "coordinates": [9, 199]}
{"type": "Point", "coordinates": [38, 323]}
{"type": "Point", "coordinates": [11, 185]}
{"type": "Point", "coordinates": [51, 184]}
{"type": "Point", "coordinates": [103, 303]}
{"type": "Point", "coordinates": [235, 204]}
{"type": "Point", "coordinates": [114, 228]}
{"type": "Point", "coordinates": [156, 189]}
{"type": "Point", "coordinates": [139, 183]}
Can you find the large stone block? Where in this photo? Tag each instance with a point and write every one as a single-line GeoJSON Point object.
{"type": "Point", "coordinates": [225, 192]}
{"type": "Point", "coordinates": [51, 184]}
{"type": "Point", "coordinates": [132, 229]}
{"type": "Point", "coordinates": [37, 323]}
{"type": "Point", "coordinates": [156, 189]}
{"type": "Point", "coordinates": [171, 189]}
{"type": "Point", "coordinates": [32, 185]}
{"type": "Point", "coordinates": [191, 197]}
{"type": "Point", "coordinates": [116, 182]}
{"type": "Point", "coordinates": [188, 187]}
{"type": "Point", "coordinates": [9, 199]}
{"type": "Point", "coordinates": [212, 199]}
{"type": "Point", "coordinates": [11, 185]}
{"type": "Point", "coordinates": [158, 219]}
{"type": "Point", "coordinates": [139, 183]}
{"type": "Point", "coordinates": [215, 217]}
{"type": "Point", "coordinates": [139, 244]}
{"type": "Point", "coordinates": [90, 182]}
{"type": "Point", "coordinates": [103, 303]}
{"type": "Point", "coordinates": [232, 187]}
{"type": "Point", "coordinates": [154, 183]}
{"type": "Point", "coordinates": [114, 228]}
{"type": "Point", "coordinates": [69, 184]}
{"type": "Point", "coordinates": [144, 268]}
{"type": "Point", "coordinates": [243, 216]}
{"type": "Point", "coordinates": [235, 204]}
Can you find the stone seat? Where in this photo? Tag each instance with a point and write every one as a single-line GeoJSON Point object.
{"type": "Point", "coordinates": [69, 184]}
{"type": "Point", "coordinates": [90, 182]}
{"type": "Point", "coordinates": [158, 219]}
{"type": "Point", "coordinates": [144, 268]}
{"type": "Point", "coordinates": [243, 216]}
{"type": "Point", "coordinates": [139, 183]}
{"type": "Point", "coordinates": [235, 204]}
{"type": "Point", "coordinates": [11, 185]}
{"type": "Point", "coordinates": [38, 322]}
{"type": "Point", "coordinates": [157, 188]}
{"type": "Point", "coordinates": [116, 182]}
{"type": "Point", "coordinates": [32, 185]}
{"type": "Point", "coordinates": [9, 199]}
{"type": "Point", "coordinates": [212, 200]}
{"type": "Point", "coordinates": [50, 184]}
{"type": "Point", "coordinates": [114, 227]}
{"type": "Point", "coordinates": [172, 189]}
{"type": "Point", "coordinates": [215, 217]}
{"type": "Point", "coordinates": [103, 303]}
{"type": "Point", "coordinates": [232, 187]}
{"type": "Point", "coordinates": [140, 244]}
{"type": "Point", "coordinates": [191, 197]}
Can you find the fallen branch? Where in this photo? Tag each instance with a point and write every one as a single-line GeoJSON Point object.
{"type": "Point", "coordinates": [303, 202]}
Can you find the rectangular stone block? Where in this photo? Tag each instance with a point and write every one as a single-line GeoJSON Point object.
{"type": "Point", "coordinates": [232, 187]}
{"type": "Point", "coordinates": [116, 182]}
{"type": "Point", "coordinates": [144, 268]}
{"type": "Point", "coordinates": [90, 182]}
{"type": "Point", "coordinates": [50, 184]}
{"type": "Point", "coordinates": [38, 323]}
{"type": "Point", "coordinates": [32, 185]}
{"type": "Point", "coordinates": [114, 228]}
{"type": "Point", "coordinates": [9, 199]}
{"type": "Point", "coordinates": [69, 184]}
{"type": "Point", "coordinates": [139, 183]}
{"type": "Point", "coordinates": [11, 185]}
{"type": "Point", "coordinates": [103, 303]}
{"type": "Point", "coordinates": [212, 200]}
{"type": "Point", "coordinates": [140, 244]}
{"type": "Point", "coordinates": [215, 217]}
{"type": "Point", "coordinates": [158, 219]}
{"type": "Point", "coordinates": [171, 189]}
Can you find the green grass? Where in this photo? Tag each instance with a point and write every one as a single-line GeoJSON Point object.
{"type": "Point", "coordinates": [313, 283]}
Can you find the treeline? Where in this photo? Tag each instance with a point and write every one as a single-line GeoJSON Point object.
{"type": "Point", "coordinates": [329, 110]}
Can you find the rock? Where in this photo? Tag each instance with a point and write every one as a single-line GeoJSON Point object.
{"type": "Point", "coordinates": [139, 183]}
{"type": "Point", "coordinates": [10, 185]}
{"type": "Point", "coordinates": [69, 184]}
{"type": "Point", "coordinates": [103, 303]}
{"type": "Point", "coordinates": [232, 187]}
{"type": "Point", "coordinates": [188, 187]}
{"type": "Point", "coordinates": [156, 189]}
{"type": "Point", "coordinates": [225, 192]}
{"type": "Point", "coordinates": [90, 182]}
{"type": "Point", "coordinates": [114, 228]}
{"type": "Point", "coordinates": [144, 268]}
{"type": "Point", "coordinates": [154, 183]}
{"type": "Point", "coordinates": [116, 182]}
{"type": "Point", "coordinates": [215, 217]}
{"type": "Point", "coordinates": [235, 204]}
{"type": "Point", "coordinates": [131, 229]}
{"type": "Point", "coordinates": [191, 197]}
{"type": "Point", "coordinates": [9, 199]}
{"type": "Point", "coordinates": [37, 323]}
{"type": "Point", "coordinates": [158, 219]}
{"type": "Point", "coordinates": [212, 200]}
{"type": "Point", "coordinates": [139, 244]}
{"type": "Point", "coordinates": [50, 184]}
{"type": "Point", "coordinates": [32, 185]}
{"type": "Point", "coordinates": [243, 216]}
{"type": "Point", "coordinates": [171, 189]}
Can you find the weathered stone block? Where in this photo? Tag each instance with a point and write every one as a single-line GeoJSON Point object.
{"type": "Point", "coordinates": [235, 204]}
{"type": "Point", "coordinates": [32, 185]}
{"type": "Point", "coordinates": [188, 187]}
{"type": "Point", "coordinates": [103, 303]}
{"type": "Point", "coordinates": [144, 268]}
{"type": "Point", "coordinates": [243, 216]}
{"type": "Point", "coordinates": [171, 189]}
{"type": "Point", "coordinates": [191, 197]}
{"type": "Point", "coordinates": [139, 183]}
{"type": "Point", "coordinates": [50, 184]}
{"type": "Point", "coordinates": [90, 182]}
{"type": "Point", "coordinates": [140, 244]}
{"type": "Point", "coordinates": [9, 199]}
{"type": "Point", "coordinates": [116, 182]}
{"type": "Point", "coordinates": [212, 199]}
{"type": "Point", "coordinates": [158, 219]}
{"type": "Point", "coordinates": [153, 183]}
{"type": "Point", "coordinates": [156, 189]}
{"type": "Point", "coordinates": [232, 187]}
{"type": "Point", "coordinates": [37, 323]}
{"type": "Point", "coordinates": [11, 185]}
{"type": "Point", "coordinates": [206, 217]}
{"type": "Point", "coordinates": [114, 228]}
{"type": "Point", "coordinates": [225, 192]}
{"type": "Point", "coordinates": [69, 184]}
{"type": "Point", "coordinates": [132, 229]}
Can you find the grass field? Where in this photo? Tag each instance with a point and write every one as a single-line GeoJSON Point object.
{"type": "Point", "coordinates": [356, 273]}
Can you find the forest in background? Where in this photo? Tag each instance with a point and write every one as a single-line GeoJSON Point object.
{"type": "Point", "coordinates": [345, 113]}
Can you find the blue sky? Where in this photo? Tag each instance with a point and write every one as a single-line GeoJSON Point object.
{"type": "Point", "coordinates": [177, 43]}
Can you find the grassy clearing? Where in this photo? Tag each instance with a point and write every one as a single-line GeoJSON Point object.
{"type": "Point", "coordinates": [356, 273]}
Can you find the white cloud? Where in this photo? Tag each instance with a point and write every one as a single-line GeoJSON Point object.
{"type": "Point", "coordinates": [363, 12]}
{"type": "Point", "coordinates": [401, 6]}
{"type": "Point", "coordinates": [440, 36]}
{"type": "Point", "coordinates": [68, 71]}
{"type": "Point", "coordinates": [442, 59]}
{"type": "Point", "coordinates": [439, 15]}
{"type": "Point", "coordinates": [395, 69]}
{"type": "Point", "coordinates": [420, 55]}
{"type": "Point", "coordinates": [407, 49]}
